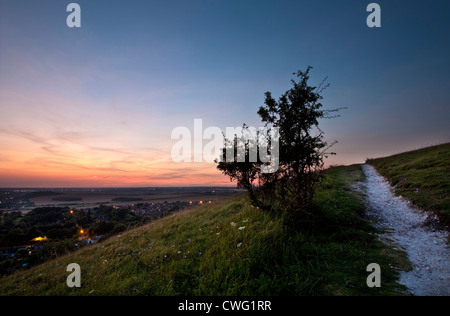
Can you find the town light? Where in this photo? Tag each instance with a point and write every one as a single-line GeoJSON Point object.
{"type": "Point", "coordinates": [40, 239]}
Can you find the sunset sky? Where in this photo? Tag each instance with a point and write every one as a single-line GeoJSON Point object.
{"type": "Point", "coordinates": [95, 106]}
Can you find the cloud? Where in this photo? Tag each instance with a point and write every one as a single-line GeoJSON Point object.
{"type": "Point", "coordinates": [26, 135]}
{"type": "Point", "coordinates": [44, 144]}
{"type": "Point", "coordinates": [51, 164]}
{"type": "Point", "coordinates": [112, 150]}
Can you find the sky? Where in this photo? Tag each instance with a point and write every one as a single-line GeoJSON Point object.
{"type": "Point", "coordinates": [95, 106]}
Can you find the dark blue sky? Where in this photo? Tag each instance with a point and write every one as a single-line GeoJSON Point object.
{"type": "Point", "coordinates": [137, 69]}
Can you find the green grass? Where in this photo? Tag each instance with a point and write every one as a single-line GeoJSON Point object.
{"type": "Point", "coordinates": [422, 176]}
{"type": "Point", "coordinates": [231, 248]}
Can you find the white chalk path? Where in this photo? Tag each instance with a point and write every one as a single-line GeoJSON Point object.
{"type": "Point", "coordinates": [409, 228]}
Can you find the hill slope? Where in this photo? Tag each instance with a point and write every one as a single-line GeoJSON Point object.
{"type": "Point", "coordinates": [422, 176]}
{"type": "Point", "coordinates": [231, 248]}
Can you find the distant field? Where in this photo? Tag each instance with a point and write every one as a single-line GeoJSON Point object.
{"type": "Point", "coordinates": [127, 199]}
{"type": "Point", "coordinates": [67, 199]}
{"type": "Point", "coordinates": [422, 176]}
{"type": "Point", "coordinates": [126, 196]}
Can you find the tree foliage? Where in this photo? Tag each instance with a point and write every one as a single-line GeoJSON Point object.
{"type": "Point", "coordinates": [294, 119]}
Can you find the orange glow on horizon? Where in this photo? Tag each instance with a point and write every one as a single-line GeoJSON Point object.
{"type": "Point", "coordinates": [39, 158]}
{"type": "Point", "coordinates": [41, 174]}
{"type": "Point", "coordinates": [66, 172]}
{"type": "Point", "coordinates": [49, 162]}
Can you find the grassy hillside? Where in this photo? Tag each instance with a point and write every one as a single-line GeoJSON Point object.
{"type": "Point", "coordinates": [231, 248]}
{"type": "Point", "coordinates": [422, 176]}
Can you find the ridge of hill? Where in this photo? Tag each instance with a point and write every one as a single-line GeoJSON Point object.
{"type": "Point", "coordinates": [421, 176]}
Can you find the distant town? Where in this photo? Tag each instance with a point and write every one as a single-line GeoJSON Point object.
{"type": "Point", "coordinates": [40, 224]}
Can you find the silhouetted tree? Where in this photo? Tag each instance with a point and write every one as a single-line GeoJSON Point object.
{"type": "Point", "coordinates": [294, 118]}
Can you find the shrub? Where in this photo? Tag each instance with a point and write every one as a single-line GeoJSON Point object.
{"type": "Point", "coordinates": [293, 122]}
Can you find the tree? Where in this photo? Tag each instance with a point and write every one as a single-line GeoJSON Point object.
{"type": "Point", "coordinates": [294, 119]}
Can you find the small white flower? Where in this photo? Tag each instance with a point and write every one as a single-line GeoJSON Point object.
{"type": "Point", "coordinates": [233, 224]}
{"type": "Point", "coordinates": [217, 234]}
{"type": "Point", "coordinates": [245, 221]}
{"type": "Point", "coordinates": [241, 228]}
{"type": "Point", "coordinates": [239, 244]}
